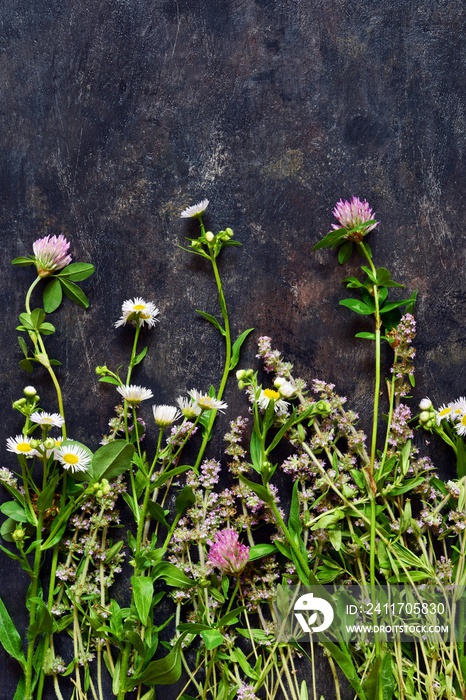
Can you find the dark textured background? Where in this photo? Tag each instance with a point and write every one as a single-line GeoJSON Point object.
{"type": "Point", "coordinates": [117, 114]}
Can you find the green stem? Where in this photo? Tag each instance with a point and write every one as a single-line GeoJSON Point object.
{"type": "Point", "coordinates": [226, 368]}
{"type": "Point", "coordinates": [32, 612]}
{"type": "Point", "coordinates": [41, 353]}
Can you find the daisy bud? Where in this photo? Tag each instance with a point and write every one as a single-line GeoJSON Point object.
{"type": "Point", "coordinates": [29, 391]}
{"type": "Point", "coordinates": [209, 236]}
{"type": "Point", "coordinates": [425, 404]}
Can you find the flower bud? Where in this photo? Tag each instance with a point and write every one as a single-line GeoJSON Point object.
{"type": "Point", "coordinates": [35, 444]}
{"type": "Point", "coordinates": [209, 236]}
{"type": "Point", "coordinates": [323, 407]}
{"type": "Point", "coordinates": [49, 443]}
{"type": "Point", "coordinates": [18, 535]}
{"type": "Point", "coordinates": [425, 404]}
{"type": "Point", "coordinates": [19, 403]}
{"type": "Point", "coordinates": [29, 391]}
{"type": "Point", "coordinates": [424, 417]}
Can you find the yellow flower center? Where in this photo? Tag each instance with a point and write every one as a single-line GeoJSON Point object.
{"type": "Point", "coordinates": [23, 447]}
{"type": "Point", "coordinates": [71, 458]}
{"type": "Point", "coordinates": [271, 394]}
{"type": "Point", "coordinates": [463, 420]}
{"type": "Point", "coordinates": [139, 307]}
{"type": "Point", "coordinates": [445, 411]}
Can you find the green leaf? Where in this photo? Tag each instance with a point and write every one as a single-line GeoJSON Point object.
{"type": "Point", "coordinates": [160, 672]}
{"type": "Point", "coordinates": [77, 272]}
{"type": "Point", "coordinates": [8, 526]}
{"type": "Point", "coordinates": [212, 320]}
{"type": "Point", "coordinates": [46, 328]}
{"type": "Point", "coordinates": [460, 458]}
{"type": "Point", "coordinates": [143, 591]}
{"type": "Point", "coordinates": [43, 621]}
{"type": "Point", "coordinates": [343, 658]}
{"type": "Point", "coordinates": [353, 283]}
{"type": "Point", "coordinates": [258, 489]}
{"type": "Point", "coordinates": [111, 460]}
{"type": "Point", "coordinates": [169, 474]}
{"type": "Point", "coordinates": [139, 358]}
{"type": "Point", "coordinates": [74, 293]}
{"type": "Point", "coordinates": [184, 500]}
{"type": "Point", "coordinates": [238, 656]}
{"type": "Point", "coordinates": [20, 692]}
{"type": "Point", "coordinates": [257, 551]}
{"type": "Point", "coordinates": [172, 575]}
{"type": "Point", "coordinates": [14, 510]}
{"type": "Point", "coordinates": [53, 295]}
{"type": "Point", "coordinates": [157, 513]}
{"type": "Point", "coordinates": [9, 636]}
{"type": "Point", "coordinates": [331, 239]}
{"type": "Point", "coordinates": [327, 519]}
{"type": "Point", "coordinates": [357, 306]}
{"type": "Point", "coordinates": [235, 351]}
{"type": "Point", "coordinates": [384, 278]}
{"type": "Point", "coordinates": [26, 365]}
{"type": "Point", "coordinates": [294, 520]}
{"type": "Point", "coordinates": [22, 262]}
{"type": "Point", "coordinates": [212, 638]}
{"type": "Point", "coordinates": [345, 252]}
{"type": "Point", "coordinates": [110, 380]}
{"type": "Point", "coordinates": [367, 336]}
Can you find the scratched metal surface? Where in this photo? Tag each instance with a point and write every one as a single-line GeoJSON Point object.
{"type": "Point", "coordinates": [118, 114]}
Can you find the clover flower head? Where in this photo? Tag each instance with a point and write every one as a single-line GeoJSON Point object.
{"type": "Point", "coordinates": [353, 214]}
{"type": "Point", "coordinates": [139, 312]}
{"type": "Point", "coordinates": [20, 445]}
{"type": "Point", "coordinates": [165, 415]}
{"type": "Point", "coordinates": [51, 254]}
{"type": "Point", "coordinates": [134, 394]}
{"type": "Point", "coordinates": [195, 210]}
{"type": "Point", "coordinates": [267, 395]}
{"type": "Point", "coordinates": [227, 553]}
{"type": "Point", "coordinates": [73, 458]}
{"type": "Point", "coordinates": [49, 420]}
{"type": "Point", "coordinates": [206, 402]}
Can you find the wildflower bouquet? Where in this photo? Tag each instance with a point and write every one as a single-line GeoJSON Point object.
{"type": "Point", "coordinates": [216, 558]}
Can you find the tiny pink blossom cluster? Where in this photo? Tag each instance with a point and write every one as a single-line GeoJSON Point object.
{"type": "Point", "coordinates": [353, 213]}
{"type": "Point", "coordinates": [51, 254]}
{"type": "Point", "coordinates": [227, 553]}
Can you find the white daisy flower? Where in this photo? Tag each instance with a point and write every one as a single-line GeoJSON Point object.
{"type": "Point", "coordinates": [443, 412]}
{"type": "Point", "coordinates": [165, 415]}
{"type": "Point", "coordinates": [51, 420]}
{"type": "Point", "coordinates": [267, 395]}
{"type": "Point", "coordinates": [188, 407]}
{"type": "Point", "coordinates": [138, 311]}
{"type": "Point", "coordinates": [73, 458]}
{"type": "Point", "coordinates": [195, 210]}
{"type": "Point", "coordinates": [20, 445]}
{"type": "Point", "coordinates": [206, 402]}
{"type": "Point", "coordinates": [461, 425]}
{"type": "Point", "coordinates": [134, 394]}
{"type": "Point", "coordinates": [458, 408]}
